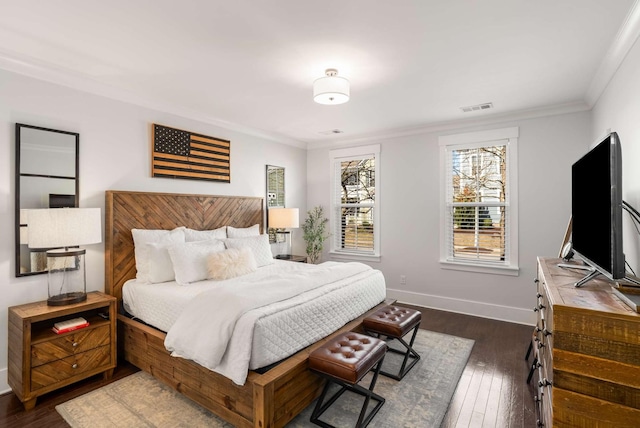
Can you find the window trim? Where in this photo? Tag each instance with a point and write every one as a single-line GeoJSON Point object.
{"type": "Point", "coordinates": [481, 139]}
{"type": "Point", "coordinates": [337, 155]}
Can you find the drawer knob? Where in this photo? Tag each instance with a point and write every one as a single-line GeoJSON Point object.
{"type": "Point", "coordinates": [75, 366]}
{"type": "Point", "coordinates": [540, 345]}
{"type": "Point", "coordinates": [538, 295]}
{"type": "Point", "coordinates": [535, 281]}
{"type": "Point", "coordinates": [74, 344]}
{"type": "Point", "coordinates": [546, 332]}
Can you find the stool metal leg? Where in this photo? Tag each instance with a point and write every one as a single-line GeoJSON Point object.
{"type": "Point", "coordinates": [526, 357]}
{"type": "Point", "coordinates": [320, 408]}
{"type": "Point", "coordinates": [409, 353]}
{"type": "Point", "coordinates": [363, 417]}
{"type": "Point", "coordinates": [362, 422]}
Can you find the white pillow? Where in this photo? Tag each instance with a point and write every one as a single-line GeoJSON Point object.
{"type": "Point", "coordinates": [160, 266]}
{"type": "Point", "coordinates": [258, 244]}
{"type": "Point", "coordinates": [192, 235]}
{"type": "Point", "coordinates": [190, 259]}
{"type": "Point", "coordinates": [142, 237]}
{"type": "Point", "coordinates": [231, 263]}
{"type": "Point", "coordinates": [243, 232]}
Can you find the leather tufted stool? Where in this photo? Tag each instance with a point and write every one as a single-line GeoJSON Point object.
{"type": "Point", "coordinates": [345, 360]}
{"type": "Point", "coordinates": [395, 322]}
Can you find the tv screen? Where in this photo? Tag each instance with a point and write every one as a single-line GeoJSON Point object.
{"type": "Point", "coordinates": [596, 206]}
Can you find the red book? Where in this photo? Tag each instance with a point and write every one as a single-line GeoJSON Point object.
{"type": "Point", "coordinates": [70, 325]}
{"type": "Point", "coordinates": [64, 330]}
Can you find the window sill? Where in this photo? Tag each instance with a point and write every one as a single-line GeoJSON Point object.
{"type": "Point", "coordinates": [354, 257]}
{"type": "Point", "coordinates": [470, 267]}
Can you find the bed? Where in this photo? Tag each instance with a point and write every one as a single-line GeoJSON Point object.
{"type": "Point", "coordinates": [268, 398]}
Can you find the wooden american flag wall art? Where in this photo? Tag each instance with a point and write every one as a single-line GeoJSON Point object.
{"type": "Point", "coordinates": [183, 154]}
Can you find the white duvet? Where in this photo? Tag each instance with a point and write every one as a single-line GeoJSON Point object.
{"type": "Point", "coordinates": [226, 348]}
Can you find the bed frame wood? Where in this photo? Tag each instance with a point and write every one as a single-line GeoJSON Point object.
{"type": "Point", "coordinates": [265, 400]}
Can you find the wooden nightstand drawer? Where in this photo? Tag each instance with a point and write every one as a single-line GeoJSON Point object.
{"type": "Point", "coordinates": [41, 361]}
{"type": "Point", "coordinates": [60, 370]}
{"type": "Point", "coordinates": [70, 344]}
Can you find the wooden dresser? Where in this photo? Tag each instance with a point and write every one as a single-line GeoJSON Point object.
{"type": "Point", "coordinates": [41, 361]}
{"type": "Point", "coordinates": [587, 344]}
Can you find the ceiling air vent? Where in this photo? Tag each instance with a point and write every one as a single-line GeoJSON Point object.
{"type": "Point", "coordinates": [331, 131]}
{"type": "Point", "coordinates": [477, 107]}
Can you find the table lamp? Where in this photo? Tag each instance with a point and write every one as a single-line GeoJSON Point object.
{"type": "Point", "coordinates": [58, 230]}
{"type": "Point", "coordinates": [281, 219]}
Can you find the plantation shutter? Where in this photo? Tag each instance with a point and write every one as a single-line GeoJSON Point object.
{"type": "Point", "coordinates": [354, 201]}
{"type": "Point", "coordinates": [477, 203]}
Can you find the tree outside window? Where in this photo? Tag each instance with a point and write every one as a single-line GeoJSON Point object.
{"type": "Point", "coordinates": [478, 192]}
{"type": "Point", "coordinates": [355, 201]}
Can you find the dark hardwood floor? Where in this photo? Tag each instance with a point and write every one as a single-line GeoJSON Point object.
{"type": "Point", "coordinates": [13, 415]}
{"type": "Point", "coordinates": [492, 391]}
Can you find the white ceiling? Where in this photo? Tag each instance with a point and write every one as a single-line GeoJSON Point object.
{"type": "Point", "coordinates": [250, 65]}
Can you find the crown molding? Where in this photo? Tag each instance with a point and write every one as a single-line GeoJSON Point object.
{"type": "Point", "coordinates": [622, 44]}
{"type": "Point", "coordinates": [458, 124]}
{"type": "Point", "coordinates": [27, 66]}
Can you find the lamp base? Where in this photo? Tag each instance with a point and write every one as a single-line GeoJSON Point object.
{"type": "Point", "coordinates": [67, 299]}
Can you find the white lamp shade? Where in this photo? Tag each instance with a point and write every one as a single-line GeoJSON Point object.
{"type": "Point", "coordinates": [331, 89]}
{"type": "Point", "coordinates": [284, 218]}
{"type": "Point", "coordinates": [64, 227]}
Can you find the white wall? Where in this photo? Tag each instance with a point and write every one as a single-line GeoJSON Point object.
{"type": "Point", "coordinates": [618, 109]}
{"type": "Point", "coordinates": [410, 216]}
{"type": "Point", "coordinates": [115, 154]}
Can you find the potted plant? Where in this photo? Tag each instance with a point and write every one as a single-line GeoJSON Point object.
{"type": "Point", "coordinates": [315, 233]}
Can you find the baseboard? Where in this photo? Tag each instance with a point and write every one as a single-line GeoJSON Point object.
{"type": "Point", "coordinates": [467, 307]}
{"type": "Point", "coordinates": [4, 386]}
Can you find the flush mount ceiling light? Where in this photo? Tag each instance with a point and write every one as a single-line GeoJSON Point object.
{"type": "Point", "coordinates": [331, 89]}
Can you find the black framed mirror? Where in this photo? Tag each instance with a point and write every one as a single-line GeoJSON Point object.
{"type": "Point", "coordinates": [47, 176]}
{"type": "Point", "coordinates": [275, 193]}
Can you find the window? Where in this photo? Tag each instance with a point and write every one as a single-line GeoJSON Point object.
{"type": "Point", "coordinates": [479, 201]}
{"type": "Point", "coordinates": [355, 201]}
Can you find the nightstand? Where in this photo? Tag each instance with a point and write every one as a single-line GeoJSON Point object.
{"type": "Point", "coordinates": [292, 258]}
{"type": "Point", "coordinates": [41, 361]}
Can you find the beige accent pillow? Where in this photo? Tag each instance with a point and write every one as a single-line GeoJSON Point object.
{"type": "Point", "coordinates": [231, 263]}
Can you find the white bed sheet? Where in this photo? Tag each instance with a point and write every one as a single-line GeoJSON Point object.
{"type": "Point", "coordinates": [279, 329]}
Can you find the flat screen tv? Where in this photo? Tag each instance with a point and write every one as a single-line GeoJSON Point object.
{"type": "Point", "coordinates": [596, 207]}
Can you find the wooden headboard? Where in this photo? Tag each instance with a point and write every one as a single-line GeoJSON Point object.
{"type": "Point", "coordinates": [143, 210]}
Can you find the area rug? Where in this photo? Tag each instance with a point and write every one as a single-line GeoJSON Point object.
{"type": "Point", "coordinates": [419, 400]}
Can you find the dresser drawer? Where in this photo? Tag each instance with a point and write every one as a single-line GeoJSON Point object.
{"type": "Point", "coordinates": [70, 344]}
{"type": "Point", "coordinates": [65, 368]}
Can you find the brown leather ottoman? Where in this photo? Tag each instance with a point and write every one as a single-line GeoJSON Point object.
{"type": "Point", "coordinates": [345, 360]}
{"type": "Point", "coordinates": [395, 322]}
